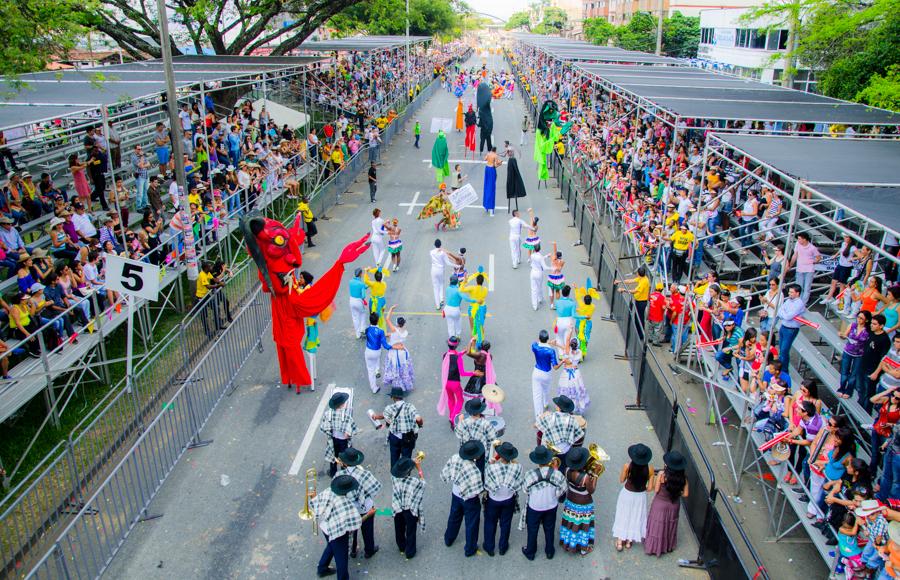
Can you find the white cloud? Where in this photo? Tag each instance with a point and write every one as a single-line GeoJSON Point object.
{"type": "Point", "coordinates": [501, 8]}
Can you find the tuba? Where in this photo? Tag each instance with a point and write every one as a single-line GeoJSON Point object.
{"type": "Point", "coordinates": [595, 464]}
{"type": "Point", "coordinates": [311, 490]}
{"type": "Point", "coordinates": [556, 463]}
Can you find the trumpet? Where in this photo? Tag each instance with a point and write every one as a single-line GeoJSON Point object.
{"type": "Point", "coordinates": [420, 456]}
{"type": "Point", "coordinates": [595, 463]}
{"type": "Point", "coordinates": [311, 490]}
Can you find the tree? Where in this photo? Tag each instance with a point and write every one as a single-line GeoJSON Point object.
{"type": "Point", "coordinates": [426, 17]}
{"type": "Point", "coordinates": [519, 20]}
{"type": "Point", "coordinates": [638, 34]}
{"type": "Point", "coordinates": [554, 19]}
{"type": "Point", "coordinates": [34, 31]}
{"type": "Point", "coordinates": [681, 35]}
{"type": "Point", "coordinates": [598, 30]}
{"type": "Point", "coordinates": [883, 91]}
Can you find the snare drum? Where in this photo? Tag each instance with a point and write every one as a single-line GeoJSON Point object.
{"type": "Point", "coordinates": [499, 425]}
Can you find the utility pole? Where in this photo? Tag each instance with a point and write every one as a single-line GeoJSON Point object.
{"type": "Point", "coordinates": [659, 24]}
{"type": "Point", "coordinates": [190, 252]}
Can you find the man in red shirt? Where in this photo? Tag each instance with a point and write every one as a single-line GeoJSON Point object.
{"type": "Point", "coordinates": [676, 311]}
{"type": "Point", "coordinates": [656, 315]}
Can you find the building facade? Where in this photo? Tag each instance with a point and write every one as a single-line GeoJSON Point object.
{"type": "Point", "coordinates": [619, 12]}
{"type": "Point", "coordinates": [749, 50]}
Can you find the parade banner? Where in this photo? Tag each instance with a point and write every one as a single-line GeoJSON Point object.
{"type": "Point", "coordinates": [462, 197]}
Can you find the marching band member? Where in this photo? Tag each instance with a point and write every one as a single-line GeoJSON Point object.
{"type": "Point", "coordinates": [336, 516]}
{"type": "Point", "coordinates": [407, 495]}
{"type": "Point", "coordinates": [462, 472]}
{"type": "Point", "coordinates": [476, 428]}
{"type": "Point", "coordinates": [339, 427]}
{"type": "Point", "coordinates": [403, 422]}
{"type": "Point", "coordinates": [544, 485]}
{"type": "Point", "coordinates": [560, 429]}
{"type": "Point", "coordinates": [364, 497]}
{"type": "Point", "coordinates": [503, 479]}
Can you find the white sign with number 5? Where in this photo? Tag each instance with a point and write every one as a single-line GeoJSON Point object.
{"type": "Point", "coordinates": [132, 277]}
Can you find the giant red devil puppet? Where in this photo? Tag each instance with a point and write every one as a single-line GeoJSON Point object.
{"type": "Point", "coordinates": [276, 251]}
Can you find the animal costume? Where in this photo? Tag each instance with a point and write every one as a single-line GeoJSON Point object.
{"type": "Point", "coordinates": [548, 131]}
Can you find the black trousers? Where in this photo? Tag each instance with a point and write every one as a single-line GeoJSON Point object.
{"type": "Point", "coordinates": [470, 510]}
{"type": "Point", "coordinates": [340, 445]}
{"type": "Point", "coordinates": [534, 520]}
{"type": "Point", "coordinates": [640, 309]}
{"type": "Point", "coordinates": [485, 138]}
{"type": "Point", "coordinates": [399, 449]}
{"type": "Point", "coordinates": [368, 534]}
{"type": "Point", "coordinates": [405, 532]}
{"type": "Point", "coordinates": [494, 512]}
{"type": "Point", "coordinates": [335, 548]}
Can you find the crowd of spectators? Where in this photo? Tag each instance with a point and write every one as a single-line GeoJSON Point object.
{"type": "Point", "coordinates": [673, 212]}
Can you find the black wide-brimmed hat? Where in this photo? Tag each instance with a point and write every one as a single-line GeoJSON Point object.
{"type": "Point", "coordinates": [475, 406]}
{"type": "Point", "coordinates": [344, 484]}
{"type": "Point", "coordinates": [675, 460]}
{"type": "Point", "coordinates": [471, 450]}
{"type": "Point", "coordinates": [564, 403]}
{"type": "Point", "coordinates": [640, 454]}
{"type": "Point", "coordinates": [337, 400]}
{"type": "Point", "coordinates": [507, 451]}
{"type": "Point", "coordinates": [397, 393]}
{"type": "Point", "coordinates": [351, 456]}
{"type": "Point", "coordinates": [541, 455]}
{"type": "Point", "coordinates": [403, 467]}
{"type": "Point", "coordinates": [577, 457]}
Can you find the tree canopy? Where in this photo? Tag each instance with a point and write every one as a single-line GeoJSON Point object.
{"type": "Point", "coordinates": [854, 48]}
{"type": "Point", "coordinates": [519, 20]}
{"type": "Point", "coordinates": [426, 17]}
{"type": "Point", "coordinates": [681, 34]}
{"type": "Point", "coordinates": [599, 30]}
{"type": "Point", "coordinates": [33, 31]}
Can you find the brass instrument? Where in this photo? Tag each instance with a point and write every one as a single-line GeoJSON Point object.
{"type": "Point", "coordinates": [311, 490]}
{"type": "Point", "coordinates": [595, 464]}
{"type": "Point", "coordinates": [420, 456]}
{"type": "Point", "coordinates": [555, 450]}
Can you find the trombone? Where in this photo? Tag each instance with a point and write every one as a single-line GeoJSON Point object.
{"type": "Point", "coordinates": [306, 513]}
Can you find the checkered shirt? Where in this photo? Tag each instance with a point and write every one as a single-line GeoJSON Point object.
{"type": "Point", "coordinates": [336, 514]}
{"type": "Point", "coordinates": [878, 530]}
{"type": "Point", "coordinates": [477, 428]}
{"type": "Point", "coordinates": [533, 480]}
{"type": "Point", "coordinates": [401, 418]}
{"type": "Point", "coordinates": [369, 486]}
{"type": "Point", "coordinates": [508, 475]}
{"type": "Point", "coordinates": [464, 474]}
{"type": "Point", "coordinates": [336, 420]}
{"type": "Point", "coordinates": [408, 494]}
{"type": "Point", "coordinates": [559, 428]}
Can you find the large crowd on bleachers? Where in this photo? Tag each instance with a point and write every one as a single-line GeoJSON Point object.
{"type": "Point", "coordinates": [769, 343]}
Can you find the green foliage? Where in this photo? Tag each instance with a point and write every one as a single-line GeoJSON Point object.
{"type": "Point", "coordinates": [598, 30]}
{"type": "Point", "coordinates": [883, 91]}
{"type": "Point", "coordinates": [554, 18]}
{"type": "Point", "coordinates": [426, 17]}
{"type": "Point", "coordinates": [638, 34]}
{"type": "Point", "coordinates": [681, 35]}
{"type": "Point", "coordinates": [519, 20]}
{"type": "Point", "coordinates": [33, 32]}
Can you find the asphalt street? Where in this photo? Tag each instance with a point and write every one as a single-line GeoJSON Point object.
{"type": "Point", "coordinates": [249, 528]}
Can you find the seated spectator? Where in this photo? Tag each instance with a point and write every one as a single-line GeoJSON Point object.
{"type": "Point", "coordinates": [83, 223]}
{"type": "Point", "coordinates": [63, 246]}
{"type": "Point", "coordinates": [50, 191]}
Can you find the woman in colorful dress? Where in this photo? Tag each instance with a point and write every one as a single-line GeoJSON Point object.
{"type": "Point", "coordinates": [398, 370]}
{"type": "Point", "coordinates": [395, 244]}
{"type": "Point", "coordinates": [576, 531]}
{"type": "Point", "coordinates": [477, 295]}
{"type": "Point", "coordinates": [571, 383]}
{"type": "Point", "coordinates": [459, 267]}
{"type": "Point", "coordinates": [533, 239]}
{"type": "Point", "coordinates": [555, 277]}
{"type": "Point", "coordinates": [585, 299]}
{"type": "Point", "coordinates": [440, 204]}
{"type": "Point", "coordinates": [377, 288]}
{"type": "Point", "coordinates": [662, 521]}
{"type": "Point", "coordinates": [452, 372]}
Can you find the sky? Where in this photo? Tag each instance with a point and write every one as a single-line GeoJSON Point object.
{"type": "Point", "coordinates": [501, 8]}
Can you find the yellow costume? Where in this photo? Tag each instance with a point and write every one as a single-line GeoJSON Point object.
{"type": "Point", "coordinates": [477, 295]}
{"type": "Point", "coordinates": [584, 313]}
{"type": "Point", "coordinates": [376, 292]}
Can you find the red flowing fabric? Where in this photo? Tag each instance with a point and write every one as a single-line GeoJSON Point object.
{"type": "Point", "coordinates": [470, 137]}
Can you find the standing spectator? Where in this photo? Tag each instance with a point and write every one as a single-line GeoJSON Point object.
{"type": "Point", "coordinates": [79, 179]}
{"type": "Point", "coordinates": [154, 196]}
{"type": "Point", "coordinates": [185, 116]}
{"type": "Point", "coordinates": [641, 294]}
{"type": "Point", "coordinates": [656, 316]}
{"type": "Point", "coordinates": [115, 146]}
{"type": "Point", "coordinates": [162, 141]}
{"type": "Point", "coordinates": [877, 345]}
{"type": "Point", "coordinates": [888, 416]}
{"type": "Point", "coordinates": [630, 523]}
{"type": "Point", "coordinates": [373, 182]}
{"type": "Point", "coordinates": [792, 307]}
{"type": "Point", "coordinates": [769, 304]}
{"type": "Point", "coordinates": [96, 164]}
{"type": "Point", "coordinates": [374, 138]}
{"type": "Point", "coordinates": [805, 257]}
{"type": "Point", "coordinates": [662, 521]}
{"type": "Point", "coordinates": [855, 335]}
{"type": "Point", "coordinates": [6, 154]}
{"type": "Point", "coordinates": [139, 167]}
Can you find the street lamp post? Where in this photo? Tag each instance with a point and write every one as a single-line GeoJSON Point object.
{"type": "Point", "coordinates": [190, 252]}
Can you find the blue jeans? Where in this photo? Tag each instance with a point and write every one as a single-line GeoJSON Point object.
{"type": "Point", "coordinates": [805, 280]}
{"type": "Point", "coordinates": [140, 200]}
{"type": "Point", "coordinates": [849, 369]}
{"type": "Point", "coordinates": [786, 338]}
{"type": "Point", "coordinates": [724, 359]}
{"type": "Point", "coordinates": [469, 509]}
{"type": "Point", "coordinates": [890, 477]}
{"type": "Point", "coordinates": [765, 324]}
{"type": "Point", "coordinates": [502, 512]}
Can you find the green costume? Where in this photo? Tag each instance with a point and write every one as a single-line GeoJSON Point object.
{"type": "Point", "coordinates": [548, 132]}
{"type": "Point", "coordinates": [440, 158]}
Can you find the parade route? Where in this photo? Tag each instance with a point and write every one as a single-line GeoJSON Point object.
{"type": "Point", "coordinates": [245, 525]}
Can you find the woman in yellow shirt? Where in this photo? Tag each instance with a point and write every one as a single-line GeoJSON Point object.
{"type": "Point", "coordinates": [477, 295]}
{"type": "Point", "coordinates": [682, 242]}
{"type": "Point", "coordinates": [377, 289]}
{"type": "Point", "coordinates": [641, 294]}
{"type": "Point", "coordinates": [305, 213]}
{"type": "Point", "coordinates": [585, 299]}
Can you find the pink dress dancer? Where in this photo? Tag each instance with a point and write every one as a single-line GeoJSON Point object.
{"type": "Point", "coordinates": [452, 371]}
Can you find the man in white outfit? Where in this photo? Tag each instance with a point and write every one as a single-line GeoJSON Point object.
{"type": "Point", "coordinates": [544, 362]}
{"type": "Point", "coordinates": [538, 265]}
{"type": "Point", "coordinates": [439, 259]}
{"type": "Point", "coordinates": [515, 237]}
{"type": "Point", "coordinates": [377, 238]}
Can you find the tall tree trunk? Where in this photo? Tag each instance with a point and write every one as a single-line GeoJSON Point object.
{"type": "Point", "coordinates": [790, 61]}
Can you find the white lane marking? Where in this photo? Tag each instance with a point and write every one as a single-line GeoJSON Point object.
{"type": "Point", "coordinates": [457, 161]}
{"type": "Point", "coordinates": [490, 272]}
{"type": "Point", "coordinates": [311, 431]}
{"type": "Point", "coordinates": [413, 204]}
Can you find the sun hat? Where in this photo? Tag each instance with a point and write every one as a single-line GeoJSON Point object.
{"type": "Point", "coordinates": [640, 454]}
